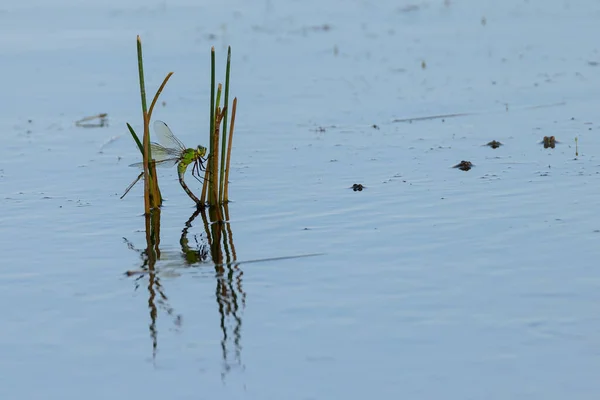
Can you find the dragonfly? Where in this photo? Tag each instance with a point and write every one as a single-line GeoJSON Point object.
{"type": "Point", "coordinates": [171, 151]}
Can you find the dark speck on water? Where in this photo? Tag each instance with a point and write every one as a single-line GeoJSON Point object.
{"type": "Point", "coordinates": [494, 144]}
{"type": "Point", "coordinates": [549, 142]}
{"type": "Point", "coordinates": [464, 165]}
{"type": "Point", "coordinates": [357, 187]}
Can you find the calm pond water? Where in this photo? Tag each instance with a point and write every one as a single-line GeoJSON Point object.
{"type": "Point", "coordinates": [433, 282]}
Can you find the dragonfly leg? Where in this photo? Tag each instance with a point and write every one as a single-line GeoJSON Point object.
{"type": "Point", "coordinates": [132, 184]}
{"type": "Point", "coordinates": [196, 172]}
{"type": "Point", "coordinates": [201, 162]}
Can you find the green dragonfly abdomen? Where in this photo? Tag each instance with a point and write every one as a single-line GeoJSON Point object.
{"type": "Point", "coordinates": [181, 172]}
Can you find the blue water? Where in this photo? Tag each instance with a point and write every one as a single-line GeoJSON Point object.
{"type": "Point", "coordinates": [434, 283]}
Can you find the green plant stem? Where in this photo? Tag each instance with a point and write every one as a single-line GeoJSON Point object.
{"type": "Point", "coordinates": [224, 140]}
{"type": "Point", "coordinates": [141, 74]}
{"type": "Point", "coordinates": [229, 144]}
{"type": "Point", "coordinates": [146, 137]}
{"type": "Point", "coordinates": [212, 121]}
{"type": "Point", "coordinates": [213, 186]}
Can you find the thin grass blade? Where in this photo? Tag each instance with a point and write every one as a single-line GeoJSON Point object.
{"type": "Point", "coordinates": [135, 137]}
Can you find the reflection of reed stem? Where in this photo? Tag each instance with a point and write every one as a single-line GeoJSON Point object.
{"type": "Point", "coordinates": [157, 299]}
{"type": "Point", "coordinates": [215, 233]}
{"type": "Point", "coordinates": [225, 242]}
{"type": "Point", "coordinates": [152, 253]}
{"type": "Point", "coordinates": [206, 226]}
{"type": "Point", "coordinates": [229, 291]}
{"type": "Point", "coordinates": [229, 231]}
{"type": "Point", "coordinates": [153, 310]}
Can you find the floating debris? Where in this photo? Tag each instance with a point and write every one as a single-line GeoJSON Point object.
{"type": "Point", "coordinates": [357, 187]}
{"type": "Point", "coordinates": [323, 128]}
{"type": "Point", "coordinates": [494, 144]}
{"type": "Point", "coordinates": [102, 121]}
{"type": "Point", "coordinates": [549, 141]}
{"type": "Point", "coordinates": [464, 165]}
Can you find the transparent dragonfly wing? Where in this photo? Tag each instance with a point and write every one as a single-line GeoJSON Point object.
{"type": "Point", "coordinates": [169, 152]}
{"type": "Point", "coordinates": [167, 163]}
{"type": "Point", "coordinates": [160, 153]}
{"type": "Point", "coordinates": [167, 138]}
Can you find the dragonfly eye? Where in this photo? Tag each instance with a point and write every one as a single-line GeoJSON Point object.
{"type": "Point", "coordinates": [201, 151]}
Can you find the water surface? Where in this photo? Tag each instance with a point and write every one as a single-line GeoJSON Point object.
{"type": "Point", "coordinates": [434, 282]}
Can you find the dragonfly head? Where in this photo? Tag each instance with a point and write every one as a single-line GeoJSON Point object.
{"type": "Point", "coordinates": [201, 151]}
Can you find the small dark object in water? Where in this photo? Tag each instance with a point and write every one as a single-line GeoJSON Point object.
{"type": "Point", "coordinates": [375, 126]}
{"type": "Point", "coordinates": [102, 121]}
{"type": "Point", "coordinates": [494, 144]}
{"type": "Point", "coordinates": [357, 187]}
{"type": "Point", "coordinates": [549, 141]}
{"type": "Point", "coordinates": [464, 165]}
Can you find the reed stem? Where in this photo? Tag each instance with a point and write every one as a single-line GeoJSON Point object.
{"type": "Point", "coordinates": [148, 201]}
{"type": "Point", "coordinates": [214, 188]}
{"type": "Point", "coordinates": [152, 195]}
{"type": "Point", "coordinates": [158, 92]}
{"type": "Point", "coordinates": [213, 185]}
{"type": "Point", "coordinates": [224, 141]}
{"type": "Point", "coordinates": [225, 198]}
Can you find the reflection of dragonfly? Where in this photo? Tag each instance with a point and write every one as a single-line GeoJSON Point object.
{"type": "Point", "coordinates": [170, 152]}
